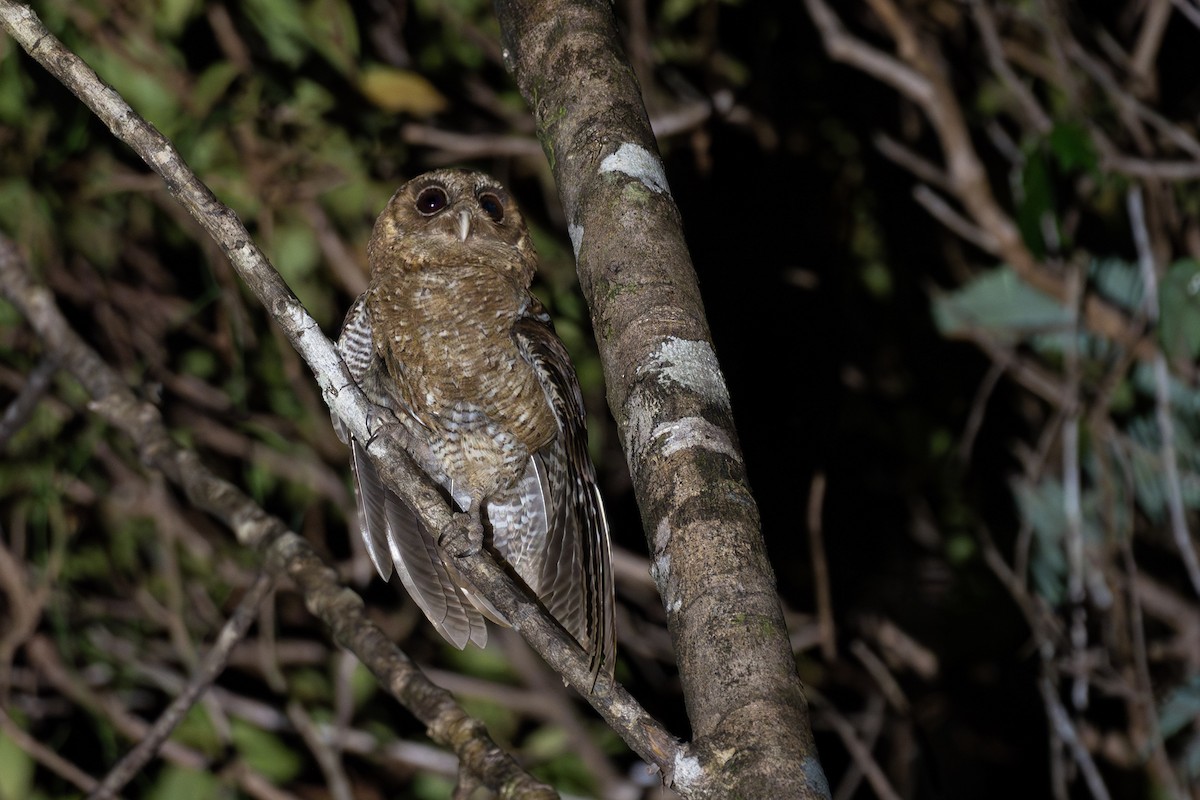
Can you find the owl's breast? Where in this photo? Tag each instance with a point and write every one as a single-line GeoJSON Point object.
{"type": "Point", "coordinates": [446, 339]}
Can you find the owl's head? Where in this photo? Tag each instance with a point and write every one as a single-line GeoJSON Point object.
{"type": "Point", "coordinates": [452, 218]}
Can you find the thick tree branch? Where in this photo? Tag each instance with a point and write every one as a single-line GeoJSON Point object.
{"type": "Point", "coordinates": [744, 699]}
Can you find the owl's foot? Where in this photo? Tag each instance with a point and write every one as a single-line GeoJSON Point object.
{"type": "Point", "coordinates": [463, 536]}
{"type": "Point", "coordinates": [380, 419]}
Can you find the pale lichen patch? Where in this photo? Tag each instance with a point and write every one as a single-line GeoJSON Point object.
{"type": "Point", "coordinates": [576, 234]}
{"type": "Point", "coordinates": [692, 365]}
{"type": "Point", "coordinates": [688, 432]}
{"type": "Point", "coordinates": [638, 162]}
{"type": "Point", "coordinates": [686, 771]}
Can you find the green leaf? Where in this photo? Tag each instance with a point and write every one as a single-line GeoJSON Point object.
{"type": "Point", "coordinates": [1180, 709]}
{"type": "Point", "coordinates": [333, 32]}
{"type": "Point", "coordinates": [1037, 200]}
{"type": "Point", "coordinates": [265, 753]}
{"type": "Point", "coordinates": [196, 731]}
{"type": "Point", "coordinates": [210, 87]}
{"type": "Point", "coordinates": [142, 87]}
{"type": "Point", "coordinates": [401, 90]}
{"type": "Point", "coordinates": [16, 771]}
{"type": "Point", "coordinates": [172, 15]}
{"type": "Point", "coordinates": [14, 89]}
{"type": "Point", "coordinates": [1118, 281]}
{"type": "Point", "coordinates": [281, 24]}
{"type": "Point", "coordinates": [181, 783]}
{"type": "Point", "coordinates": [1072, 147]}
{"type": "Point", "coordinates": [1179, 310]}
{"type": "Point", "coordinates": [1042, 507]}
{"type": "Point", "coordinates": [1001, 304]}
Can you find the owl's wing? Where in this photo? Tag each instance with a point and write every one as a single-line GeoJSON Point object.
{"type": "Point", "coordinates": [391, 531]}
{"type": "Point", "coordinates": [577, 583]}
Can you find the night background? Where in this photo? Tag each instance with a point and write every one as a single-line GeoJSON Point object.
{"type": "Point", "coordinates": [865, 344]}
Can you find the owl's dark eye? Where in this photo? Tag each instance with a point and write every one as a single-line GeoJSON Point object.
{"type": "Point", "coordinates": [492, 206]}
{"type": "Point", "coordinates": [431, 200]}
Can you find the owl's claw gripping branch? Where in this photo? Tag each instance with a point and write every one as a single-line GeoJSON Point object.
{"type": "Point", "coordinates": [382, 420]}
{"type": "Point", "coordinates": [463, 537]}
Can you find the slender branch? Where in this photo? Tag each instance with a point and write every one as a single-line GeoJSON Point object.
{"type": "Point", "coordinates": [1060, 720]}
{"type": "Point", "coordinates": [858, 751]}
{"type": "Point", "coordinates": [18, 411]}
{"type": "Point", "coordinates": [210, 667]}
{"type": "Point", "coordinates": [44, 755]}
{"type": "Point", "coordinates": [816, 544]}
{"type": "Point", "coordinates": [1162, 395]}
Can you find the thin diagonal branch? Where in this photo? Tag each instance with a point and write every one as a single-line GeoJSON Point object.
{"type": "Point", "coordinates": [210, 667]}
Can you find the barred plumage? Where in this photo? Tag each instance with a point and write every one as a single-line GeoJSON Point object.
{"type": "Point", "coordinates": [449, 338]}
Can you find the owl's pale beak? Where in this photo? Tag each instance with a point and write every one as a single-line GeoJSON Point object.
{"type": "Point", "coordinates": [464, 224]}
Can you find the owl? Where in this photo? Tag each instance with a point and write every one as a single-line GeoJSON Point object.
{"type": "Point", "coordinates": [450, 340]}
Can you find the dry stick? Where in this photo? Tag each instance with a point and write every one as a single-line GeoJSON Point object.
{"type": "Point", "coordinates": [1160, 758]}
{"type": "Point", "coordinates": [1065, 730]}
{"type": "Point", "coordinates": [1073, 491]}
{"type": "Point", "coordinates": [1162, 393]}
{"type": "Point", "coordinates": [875, 714]}
{"type": "Point", "coordinates": [816, 544]}
{"type": "Point", "coordinates": [985, 23]}
{"type": "Point", "coordinates": [1192, 12]}
{"type": "Point", "coordinates": [22, 406]}
{"type": "Point", "coordinates": [1145, 53]}
{"type": "Point", "coordinates": [328, 757]}
{"type": "Point", "coordinates": [44, 755]}
{"type": "Point", "coordinates": [285, 553]}
{"type": "Point", "coordinates": [643, 734]}
{"type": "Point", "coordinates": [211, 665]}
{"type": "Point", "coordinates": [858, 751]}
{"type": "Point", "coordinates": [979, 409]}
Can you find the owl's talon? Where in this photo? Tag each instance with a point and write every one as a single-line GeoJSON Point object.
{"type": "Point", "coordinates": [463, 536]}
{"type": "Point", "coordinates": [379, 419]}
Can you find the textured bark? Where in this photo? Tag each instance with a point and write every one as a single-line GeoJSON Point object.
{"type": "Point", "coordinates": [744, 699]}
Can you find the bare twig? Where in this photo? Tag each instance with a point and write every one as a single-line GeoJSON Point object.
{"type": "Point", "coordinates": [44, 755]}
{"type": "Point", "coordinates": [1065, 730]}
{"type": "Point", "coordinates": [1149, 42]}
{"type": "Point", "coordinates": [858, 751]}
{"type": "Point", "coordinates": [211, 665]}
{"type": "Point", "coordinates": [18, 411]}
{"type": "Point", "coordinates": [1035, 115]}
{"type": "Point", "coordinates": [816, 545]}
{"type": "Point", "coordinates": [1162, 394]}
{"type": "Point", "coordinates": [1073, 489]}
{"type": "Point", "coordinates": [325, 751]}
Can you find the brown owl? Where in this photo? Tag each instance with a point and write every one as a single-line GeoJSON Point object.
{"type": "Point", "coordinates": [449, 338]}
